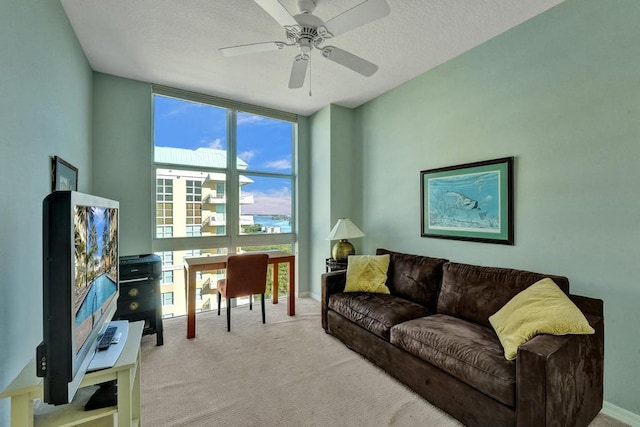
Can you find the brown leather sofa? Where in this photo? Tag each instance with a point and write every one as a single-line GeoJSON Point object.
{"type": "Point", "coordinates": [433, 334]}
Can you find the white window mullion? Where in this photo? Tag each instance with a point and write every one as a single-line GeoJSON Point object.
{"type": "Point", "coordinates": [233, 186]}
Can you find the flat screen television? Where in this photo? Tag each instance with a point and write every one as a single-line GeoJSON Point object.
{"type": "Point", "coordinates": [80, 287]}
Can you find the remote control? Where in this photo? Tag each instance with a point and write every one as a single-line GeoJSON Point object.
{"type": "Point", "coordinates": [105, 340]}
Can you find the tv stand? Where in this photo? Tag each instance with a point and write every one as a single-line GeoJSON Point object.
{"type": "Point", "coordinates": [27, 388]}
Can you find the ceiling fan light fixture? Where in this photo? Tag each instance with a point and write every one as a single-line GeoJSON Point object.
{"type": "Point", "coordinates": [307, 31]}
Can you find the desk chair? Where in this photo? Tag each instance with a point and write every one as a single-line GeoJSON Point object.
{"type": "Point", "coordinates": [246, 275]}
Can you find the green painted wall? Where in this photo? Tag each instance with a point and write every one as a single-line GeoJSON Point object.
{"type": "Point", "coordinates": [561, 93]}
{"type": "Point", "coordinates": [335, 183]}
{"type": "Point", "coordinates": [303, 206]}
{"type": "Point", "coordinates": [45, 110]}
{"type": "Point", "coordinates": [123, 156]}
{"type": "Point", "coordinates": [320, 219]}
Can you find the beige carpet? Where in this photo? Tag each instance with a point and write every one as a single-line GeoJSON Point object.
{"type": "Point", "coordinates": [285, 373]}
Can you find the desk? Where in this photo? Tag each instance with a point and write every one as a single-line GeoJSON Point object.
{"type": "Point", "coordinates": [27, 387]}
{"type": "Point", "coordinates": [215, 262]}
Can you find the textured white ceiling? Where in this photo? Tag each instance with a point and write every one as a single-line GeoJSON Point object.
{"type": "Point", "coordinates": [175, 43]}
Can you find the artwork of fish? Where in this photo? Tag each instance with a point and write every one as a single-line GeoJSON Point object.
{"type": "Point", "coordinates": [453, 199]}
{"type": "Point", "coordinates": [473, 201]}
{"type": "Point", "coordinates": [467, 202]}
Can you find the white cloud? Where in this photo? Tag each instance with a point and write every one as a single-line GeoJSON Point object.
{"type": "Point", "coordinates": [175, 111]}
{"type": "Point", "coordinates": [183, 107]}
{"type": "Point", "coordinates": [279, 164]}
{"type": "Point", "coordinates": [247, 155]}
{"type": "Point", "coordinates": [249, 118]}
{"type": "Point", "coordinates": [215, 144]}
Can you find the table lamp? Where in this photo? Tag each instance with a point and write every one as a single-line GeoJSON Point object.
{"type": "Point", "coordinates": [343, 230]}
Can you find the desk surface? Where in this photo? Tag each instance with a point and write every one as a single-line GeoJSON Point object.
{"type": "Point", "coordinates": [199, 261]}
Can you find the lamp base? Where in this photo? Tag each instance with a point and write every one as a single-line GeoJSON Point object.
{"type": "Point", "coordinates": [342, 250]}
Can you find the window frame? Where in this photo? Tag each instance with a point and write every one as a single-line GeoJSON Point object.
{"type": "Point", "coordinates": [232, 238]}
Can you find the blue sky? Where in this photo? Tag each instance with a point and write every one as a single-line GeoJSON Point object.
{"type": "Point", "coordinates": [263, 143]}
{"type": "Point", "coordinates": [188, 125]}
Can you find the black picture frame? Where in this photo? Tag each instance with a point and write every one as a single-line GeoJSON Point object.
{"type": "Point", "coordinates": [65, 175]}
{"type": "Point", "coordinates": [471, 202]}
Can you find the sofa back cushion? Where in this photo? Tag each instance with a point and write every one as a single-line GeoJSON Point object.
{"type": "Point", "coordinates": [414, 277]}
{"type": "Point", "coordinates": [474, 293]}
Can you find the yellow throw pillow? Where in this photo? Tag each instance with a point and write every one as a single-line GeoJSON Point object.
{"type": "Point", "coordinates": [367, 273]}
{"type": "Point", "coordinates": [542, 308]}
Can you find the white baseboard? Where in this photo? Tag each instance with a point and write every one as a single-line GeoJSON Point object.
{"type": "Point", "coordinates": [620, 414]}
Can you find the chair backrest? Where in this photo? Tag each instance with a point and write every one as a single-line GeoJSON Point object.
{"type": "Point", "coordinates": [246, 274]}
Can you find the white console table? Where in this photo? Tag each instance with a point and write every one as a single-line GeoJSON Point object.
{"type": "Point", "coordinates": [27, 388]}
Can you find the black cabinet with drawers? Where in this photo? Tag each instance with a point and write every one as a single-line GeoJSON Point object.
{"type": "Point", "coordinates": [140, 297]}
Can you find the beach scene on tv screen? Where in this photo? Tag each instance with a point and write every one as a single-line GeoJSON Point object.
{"type": "Point", "coordinates": [96, 266]}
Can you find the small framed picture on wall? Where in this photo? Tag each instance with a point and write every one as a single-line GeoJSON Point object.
{"type": "Point", "coordinates": [65, 175]}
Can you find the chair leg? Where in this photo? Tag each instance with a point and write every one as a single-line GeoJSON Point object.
{"type": "Point", "coordinates": [219, 298]}
{"type": "Point", "coordinates": [262, 303]}
{"type": "Point", "coordinates": [228, 314]}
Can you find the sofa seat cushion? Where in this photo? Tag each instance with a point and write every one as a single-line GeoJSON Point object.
{"type": "Point", "coordinates": [376, 313]}
{"type": "Point", "coordinates": [467, 351]}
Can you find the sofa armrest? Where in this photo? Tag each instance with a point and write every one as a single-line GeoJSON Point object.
{"type": "Point", "coordinates": [559, 379]}
{"type": "Point", "coordinates": [588, 305]}
{"type": "Point", "coordinates": [332, 283]}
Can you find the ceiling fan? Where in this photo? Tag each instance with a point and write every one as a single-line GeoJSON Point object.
{"type": "Point", "coordinates": [306, 31]}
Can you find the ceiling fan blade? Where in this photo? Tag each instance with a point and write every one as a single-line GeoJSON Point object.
{"type": "Point", "coordinates": [298, 71]}
{"type": "Point", "coordinates": [361, 14]}
{"type": "Point", "coordinates": [349, 60]}
{"type": "Point", "coordinates": [277, 12]}
{"type": "Point", "coordinates": [251, 48]}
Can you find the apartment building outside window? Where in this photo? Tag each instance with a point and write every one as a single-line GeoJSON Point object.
{"type": "Point", "coordinates": [167, 277]}
{"type": "Point", "coordinates": [164, 207]}
{"type": "Point", "coordinates": [193, 206]}
{"type": "Point", "coordinates": [167, 298]}
{"type": "Point", "coordinates": [225, 183]}
{"type": "Point", "coordinates": [166, 257]}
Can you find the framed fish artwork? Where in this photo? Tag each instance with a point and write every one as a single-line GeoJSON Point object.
{"type": "Point", "coordinates": [472, 202]}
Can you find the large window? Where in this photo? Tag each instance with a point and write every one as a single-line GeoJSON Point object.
{"type": "Point", "coordinates": [225, 183]}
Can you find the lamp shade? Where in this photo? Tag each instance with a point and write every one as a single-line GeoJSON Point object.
{"type": "Point", "coordinates": [344, 229]}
